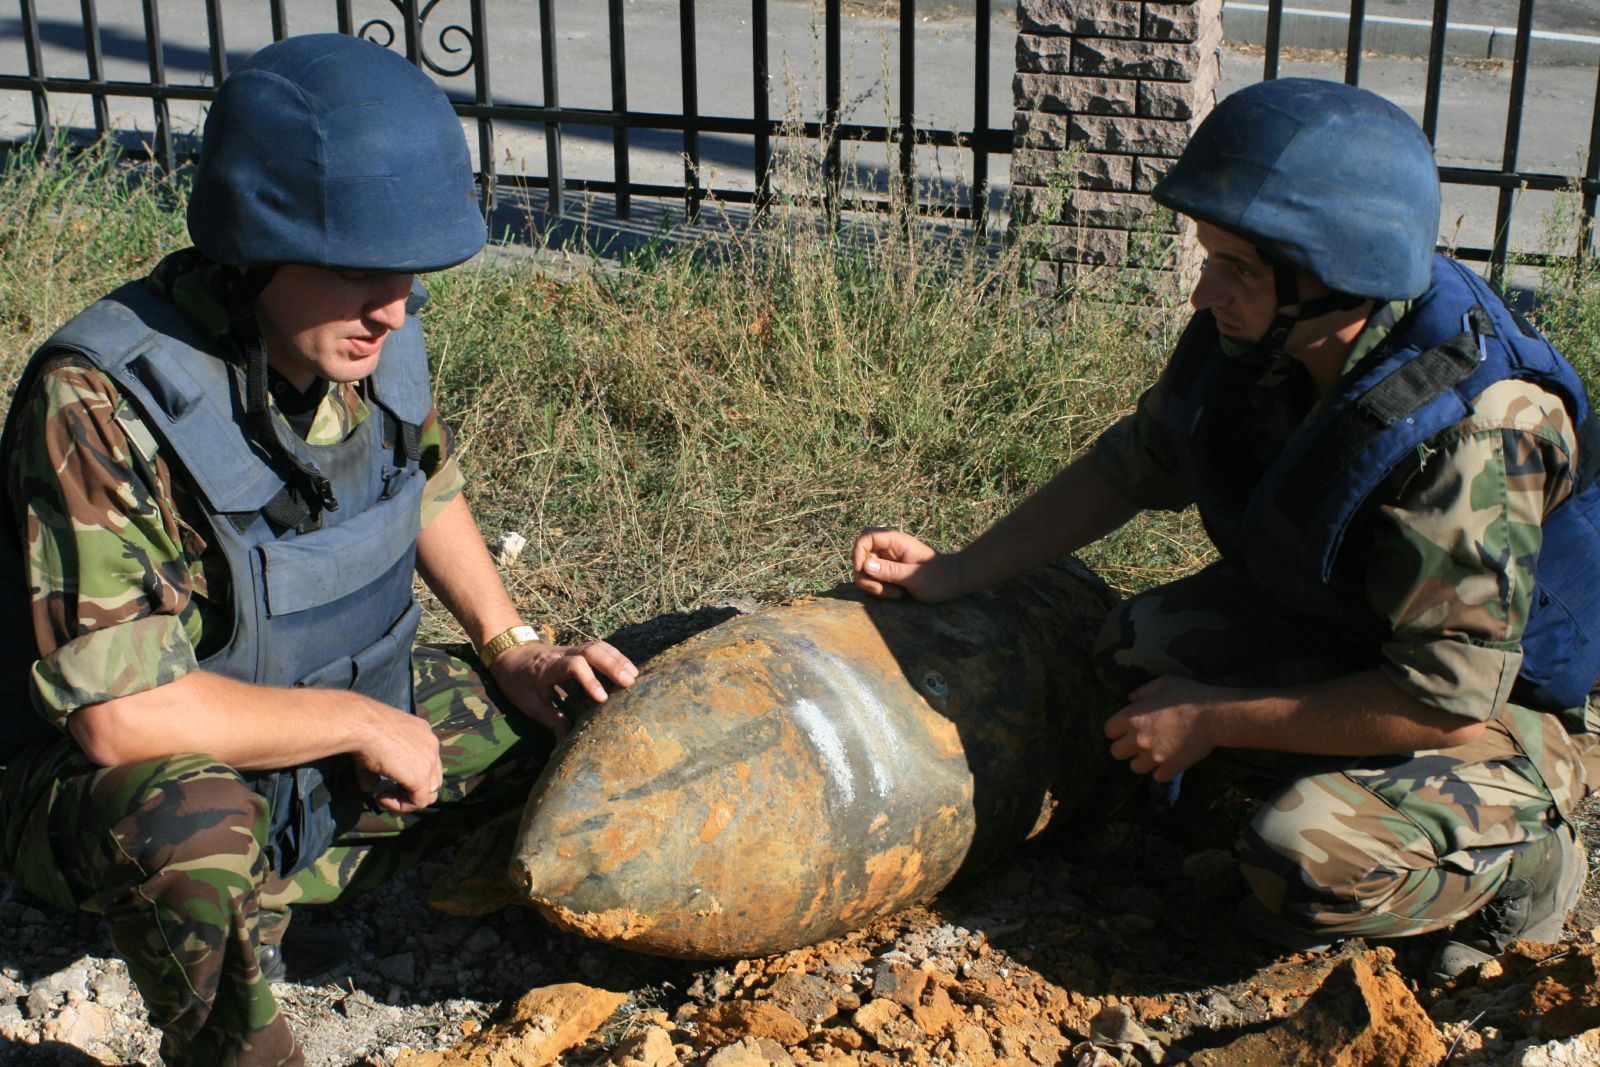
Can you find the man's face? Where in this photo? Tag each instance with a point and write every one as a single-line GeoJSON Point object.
{"type": "Point", "coordinates": [1235, 285]}
{"type": "Point", "coordinates": [320, 323]}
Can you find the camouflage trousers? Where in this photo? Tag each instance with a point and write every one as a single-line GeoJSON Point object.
{"type": "Point", "coordinates": [171, 853]}
{"type": "Point", "coordinates": [1336, 847]}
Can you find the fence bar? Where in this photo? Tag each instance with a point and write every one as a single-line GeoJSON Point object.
{"type": "Point", "coordinates": [219, 50]}
{"type": "Point", "coordinates": [30, 40]}
{"type": "Point", "coordinates": [280, 21]}
{"type": "Point", "coordinates": [1352, 48]}
{"type": "Point", "coordinates": [1591, 171]}
{"type": "Point", "coordinates": [980, 116]}
{"type": "Point", "coordinates": [481, 89]}
{"type": "Point", "coordinates": [760, 77]}
{"type": "Point", "coordinates": [96, 61]}
{"type": "Point", "coordinates": [552, 100]}
{"type": "Point", "coordinates": [834, 90]}
{"type": "Point", "coordinates": [1269, 68]}
{"type": "Point", "coordinates": [1508, 163]}
{"type": "Point", "coordinates": [619, 106]}
{"type": "Point", "coordinates": [158, 82]}
{"type": "Point", "coordinates": [347, 23]}
{"type": "Point", "coordinates": [732, 196]}
{"type": "Point", "coordinates": [691, 110]}
{"type": "Point", "coordinates": [1430, 101]}
{"type": "Point", "coordinates": [908, 102]}
{"type": "Point", "coordinates": [413, 23]}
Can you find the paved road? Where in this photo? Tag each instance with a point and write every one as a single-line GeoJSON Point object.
{"type": "Point", "coordinates": [1472, 129]}
{"type": "Point", "coordinates": [1557, 16]}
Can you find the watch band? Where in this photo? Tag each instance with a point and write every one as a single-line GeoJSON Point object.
{"type": "Point", "coordinates": [520, 634]}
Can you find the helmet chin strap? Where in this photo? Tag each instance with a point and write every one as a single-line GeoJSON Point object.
{"type": "Point", "coordinates": [1286, 282]}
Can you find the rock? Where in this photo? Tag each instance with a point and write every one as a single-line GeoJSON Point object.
{"type": "Point", "coordinates": [805, 996]}
{"type": "Point", "coordinates": [79, 1025]}
{"type": "Point", "coordinates": [751, 1052]}
{"type": "Point", "coordinates": [732, 1020]}
{"type": "Point", "coordinates": [842, 1037]}
{"type": "Point", "coordinates": [12, 1023]}
{"type": "Point", "coordinates": [1362, 1015]}
{"type": "Point", "coordinates": [542, 1024]}
{"type": "Point", "coordinates": [40, 1003]}
{"type": "Point", "coordinates": [1115, 1029]}
{"type": "Point", "coordinates": [482, 940]}
{"type": "Point", "coordinates": [400, 968]}
{"type": "Point", "coordinates": [1031, 1041]}
{"type": "Point", "coordinates": [649, 1048]}
{"type": "Point", "coordinates": [885, 1021]}
{"type": "Point", "coordinates": [1564, 998]}
{"type": "Point", "coordinates": [1580, 1051]}
{"type": "Point", "coordinates": [1213, 873]}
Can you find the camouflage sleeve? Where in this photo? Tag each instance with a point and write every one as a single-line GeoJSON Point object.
{"type": "Point", "coordinates": [445, 480]}
{"type": "Point", "coordinates": [1453, 558]}
{"type": "Point", "coordinates": [1138, 458]}
{"type": "Point", "coordinates": [114, 601]}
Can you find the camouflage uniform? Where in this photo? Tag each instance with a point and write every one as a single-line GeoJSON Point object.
{"type": "Point", "coordinates": [128, 596]}
{"type": "Point", "coordinates": [1399, 845]}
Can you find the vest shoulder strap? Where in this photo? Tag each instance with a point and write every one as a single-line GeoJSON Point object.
{"type": "Point", "coordinates": [184, 391]}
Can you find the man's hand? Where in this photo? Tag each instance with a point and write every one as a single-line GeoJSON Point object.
{"type": "Point", "coordinates": [891, 563]}
{"type": "Point", "coordinates": [1164, 729]}
{"type": "Point", "coordinates": [402, 748]}
{"type": "Point", "coordinates": [528, 675]}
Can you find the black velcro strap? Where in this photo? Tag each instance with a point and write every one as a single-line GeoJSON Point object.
{"type": "Point", "coordinates": [1412, 386]}
{"type": "Point", "coordinates": [411, 441]}
{"type": "Point", "coordinates": [290, 510]}
{"type": "Point", "coordinates": [1588, 450]}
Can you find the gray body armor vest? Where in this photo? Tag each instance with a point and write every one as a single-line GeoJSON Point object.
{"type": "Point", "coordinates": [327, 603]}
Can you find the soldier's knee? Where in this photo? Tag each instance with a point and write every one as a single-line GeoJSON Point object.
{"type": "Point", "coordinates": [1309, 880]}
{"type": "Point", "coordinates": [190, 809]}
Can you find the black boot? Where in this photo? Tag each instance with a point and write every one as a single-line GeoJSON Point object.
{"type": "Point", "coordinates": [1532, 904]}
{"type": "Point", "coordinates": [305, 952]}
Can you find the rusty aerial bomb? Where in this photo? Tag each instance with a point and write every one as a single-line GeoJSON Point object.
{"type": "Point", "coordinates": [791, 774]}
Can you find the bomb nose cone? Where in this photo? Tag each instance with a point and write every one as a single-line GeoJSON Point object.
{"type": "Point", "coordinates": [792, 774]}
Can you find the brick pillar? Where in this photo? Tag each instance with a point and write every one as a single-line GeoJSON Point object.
{"type": "Point", "coordinates": [1107, 93]}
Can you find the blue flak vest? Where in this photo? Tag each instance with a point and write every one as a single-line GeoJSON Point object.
{"type": "Point", "coordinates": [1286, 526]}
{"type": "Point", "coordinates": [326, 603]}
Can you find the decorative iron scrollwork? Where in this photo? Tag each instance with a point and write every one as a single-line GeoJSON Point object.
{"type": "Point", "coordinates": [453, 38]}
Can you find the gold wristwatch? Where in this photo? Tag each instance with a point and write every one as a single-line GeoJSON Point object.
{"type": "Point", "coordinates": [521, 634]}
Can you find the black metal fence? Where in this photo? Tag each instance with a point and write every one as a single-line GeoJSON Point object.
{"type": "Point", "coordinates": [1508, 178]}
{"type": "Point", "coordinates": [467, 53]}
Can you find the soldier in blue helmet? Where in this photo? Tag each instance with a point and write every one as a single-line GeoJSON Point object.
{"type": "Point", "coordinates": [218, 484]}
{"type": "Point", "coordinates": [1396, 651]}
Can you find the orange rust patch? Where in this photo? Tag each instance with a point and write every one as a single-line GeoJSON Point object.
{"type": "Point", "coordinates": [741, 771]}
{"type": "Point", "coordinates": [823, 893]}
{"type": "Point", "coordinates": [717, 820]}
{"type": "Point", "coordinates": [893, 876]}
{"type": "Point", "coordinates": [942, 733]}
{"type": "Point", "coordinates": [614, 924]}
{"type": "Point", "coordinates": [878, 823]}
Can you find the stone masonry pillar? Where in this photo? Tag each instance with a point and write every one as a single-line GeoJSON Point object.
{"type": "Point", "coordinates": [1107, 93]}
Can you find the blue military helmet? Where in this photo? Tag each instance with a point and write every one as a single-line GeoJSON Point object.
{"type": "Point", "coordinates": [333, 151]}
{"type": "Point", "coordinates": [1327, 178]}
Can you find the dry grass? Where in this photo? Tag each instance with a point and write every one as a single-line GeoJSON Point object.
{"type": "Point", "coordinates": [706, 423]}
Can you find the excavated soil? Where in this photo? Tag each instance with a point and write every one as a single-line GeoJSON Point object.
{"type": "Point", "coordinates": [1108, 941]}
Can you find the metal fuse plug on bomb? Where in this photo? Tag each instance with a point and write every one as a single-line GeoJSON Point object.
{"type": "Point", "coordinates": [792, 774]}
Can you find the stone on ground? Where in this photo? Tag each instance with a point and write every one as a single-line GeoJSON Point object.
{"type": "Point", "coordinates": [542, 1025]}
{"type": "Point", "coordinates": [1363, 1015]}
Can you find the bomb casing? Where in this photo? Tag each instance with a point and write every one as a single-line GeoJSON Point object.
{"type": "Point", "coordinates": [792, 774]}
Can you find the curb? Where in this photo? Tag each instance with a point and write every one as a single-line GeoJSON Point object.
{"type": "Point", "coordinates": [1246, 23]}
